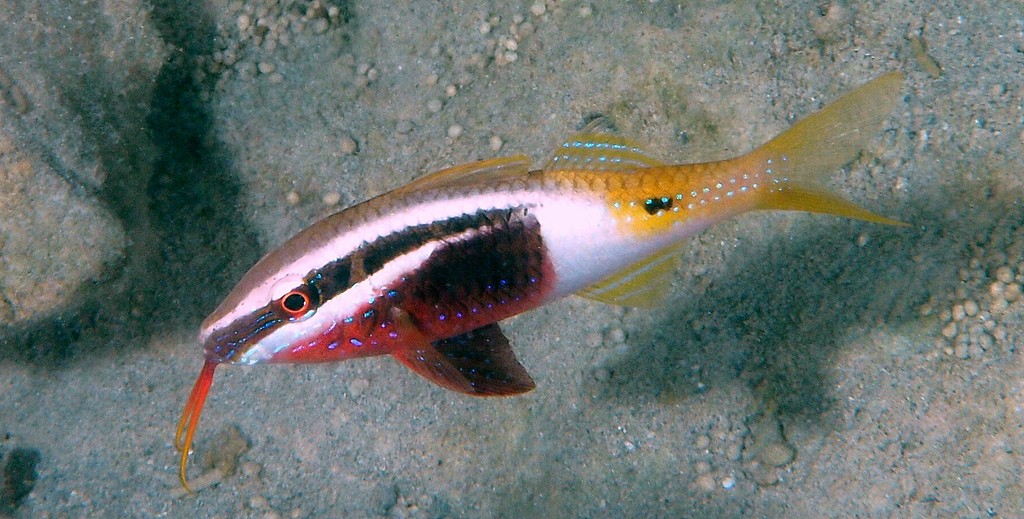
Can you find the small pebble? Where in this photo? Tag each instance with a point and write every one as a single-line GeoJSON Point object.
{"type": "Point", "coordinates": [292, 198]}
{"type": "Point", "coordinates": [348, 145]}
{"type": "Point", "coordinates": [244, 21]}
{"type": "Point", "coordinates": [949, 331]}
{"type": "Point", "coordinates": [959, 312]}
{"type": "Point", "coordinates": [734, 451]}
{"type": "Point", "coordinates": [778, 454]}
{"type": "Point", "coordinates": [728, 482]}
{"type": "Point", "coordinates": [998, 304]}
{"type": "Point", "coordinates": [1004, 274]}
{"type": "Point", "coordinates": [229, 57]}
{"type": "Point", "coordinates": [702, 467]}
{"type": "Point", "coordinates": [251, 469]}
{"type": "Point", "coordinates": [971, 308]}
{"type": "Point", "coordinates": [999, 333]}
{"type": "Point", "coordinates": [997, 289]}
{"type": "Point", "coordinates": [705, 483]}
{"type": "Point", "coordinates": [961, 351]}
{"type": "Point", "coordinates": [266, 67]}
{"type": "Point", "coordinates": [434, 106]}
{"type": "Point", "coordinates": [617, 335]}
{"type": "Point", "coordinates": [320, 26]}
{"type": "Point", "coordinates": [538, 8]}
{"type": "Point", "coordinates": [985, 341]}
{"type": "Point", "coordinates": [586, 11]}
{"type": "Point", "coordinates": [372, 74]}
{"type": "Point", "coordinates": [451, 90]}
{"type": "Point", "coordinates": [702, 442]}
{"type": "Point", "coordinates": [258, 502]}
{"type": "Point", "coordinates": [276, 78]}
{"type": "Point", "coordinates": [525, 30]}
{"type": "Point", "coordinates": [454, 131]}
{"type": "Point", "coordinates": [1013, 292]}
{"type": "Point", "coordinates": [495, 143]}
{"type": "Point", "coordinates": [246, 70]}
{"type": "Point", "coordinates": [485, 28]}
{"type": "Point", "coordinates": [403, 126]}
{"type": "Point", "coordinates": [332, 198]}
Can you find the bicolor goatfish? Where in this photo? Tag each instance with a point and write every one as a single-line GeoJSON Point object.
{"type": "Point", "coordinates": [425, 272]}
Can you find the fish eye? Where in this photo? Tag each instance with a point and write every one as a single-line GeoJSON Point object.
{"type": "Point", "coordinates": [297, 303]}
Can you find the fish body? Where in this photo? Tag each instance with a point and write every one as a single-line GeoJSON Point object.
{"type": "Point", "coordinates": [424, 272]}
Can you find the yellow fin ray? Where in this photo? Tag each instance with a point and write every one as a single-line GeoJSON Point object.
{"type": "Point", "coordinates": [801, 198]}
{"type": "Point", "coordinates": [642, 284]}
{"type": "Point", "coordinates": [799, 158]}
{"type": "Point", "coordinates": [481, 170]}
{"type": "Point", "coordinates": [833, 136]}
{"type": "Point", "coordinates": [593, 151]}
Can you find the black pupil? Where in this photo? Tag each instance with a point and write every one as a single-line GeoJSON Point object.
{"type": "Point", "coordinates": [294, 302]}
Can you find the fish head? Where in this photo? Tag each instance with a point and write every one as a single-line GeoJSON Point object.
{"type": "Point", "coordinates": [258, 320]}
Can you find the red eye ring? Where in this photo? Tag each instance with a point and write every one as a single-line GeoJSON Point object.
{"type": "Point", "coordinates": [296, 303]}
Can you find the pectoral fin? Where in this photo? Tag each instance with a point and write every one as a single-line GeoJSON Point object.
{"type": "Point", "coordinates": [479, 363]}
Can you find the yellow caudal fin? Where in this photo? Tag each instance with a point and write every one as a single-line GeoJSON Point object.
{"type": "Point", "coordinates": [799, 158]}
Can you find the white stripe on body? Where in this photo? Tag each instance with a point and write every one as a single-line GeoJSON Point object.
{"type": "Point", "coordinates": [346, 304]}
{"type": "Point", "coordinates": [584, 241]}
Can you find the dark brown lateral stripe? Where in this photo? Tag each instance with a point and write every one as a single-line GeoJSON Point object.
{"type": "Point", "coordinates": [335, 278]}
{"type": "Point", "coordinates": [338, 276]}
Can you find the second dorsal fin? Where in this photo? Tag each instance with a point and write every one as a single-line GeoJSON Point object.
{"type": "Point", "coordinates": [597, 151]}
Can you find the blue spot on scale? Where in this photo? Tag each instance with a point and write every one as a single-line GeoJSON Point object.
{"type": "Point", "coordinates": [355, 342]}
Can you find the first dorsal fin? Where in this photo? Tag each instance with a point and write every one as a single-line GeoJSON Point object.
{"type": "Point", "coordinates": [491, 169]}
{"type": "Point", "coordinates": [479, 363]}
{"type": "Point", "coordinates": [594, 150]}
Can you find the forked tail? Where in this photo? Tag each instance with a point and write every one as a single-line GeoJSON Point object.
{"type": "Point", "coordinates": [800, 158]}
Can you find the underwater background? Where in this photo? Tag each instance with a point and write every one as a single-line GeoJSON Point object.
{"type": "Point", "coordinates": [804, 365]}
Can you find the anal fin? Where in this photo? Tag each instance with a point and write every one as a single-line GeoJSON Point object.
{"type": "Point", "coordinates": [479, 363]}
{"type": "Point", "coordinates": [643, 284]}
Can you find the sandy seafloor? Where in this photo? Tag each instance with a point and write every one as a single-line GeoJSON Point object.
{"type": "Point", "coordinates": [804, 366]}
